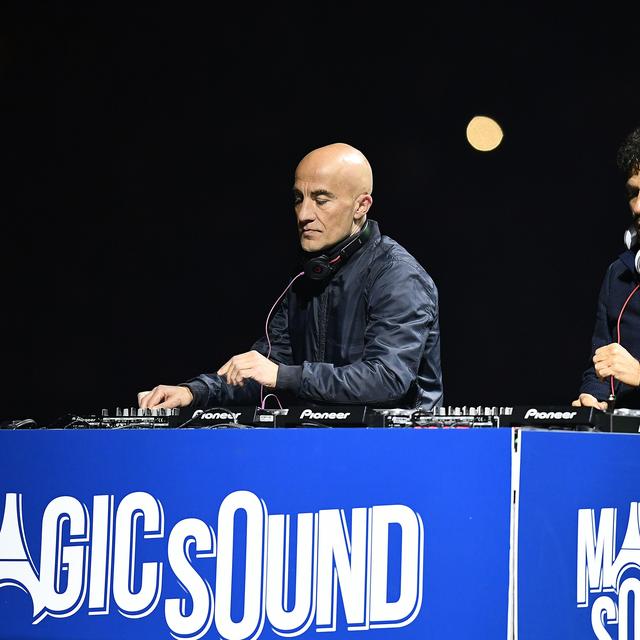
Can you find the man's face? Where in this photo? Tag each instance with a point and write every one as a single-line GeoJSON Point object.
{"type": "Point", "coordinates": [324, 207]}
{"type": "Point", "coordinates": [633, 188]}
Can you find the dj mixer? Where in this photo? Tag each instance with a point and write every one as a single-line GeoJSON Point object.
{"type": "Point", "coordinates": [451, 417]}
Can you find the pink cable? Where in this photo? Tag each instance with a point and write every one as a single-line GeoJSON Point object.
{"type": "Point", "coordinates": [626, 302]}
{"type": "Point", "coordinates": [268, 396]}
{"type": "Point", "coordinates": [266, 333]}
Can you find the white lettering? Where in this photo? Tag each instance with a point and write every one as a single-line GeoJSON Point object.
{"type": "Point", "coordinates": [324, 415]}
{"type": "Point", "coordinates": [63, 566]}
{"type": "Point", "coordinates": [549, 415]}
{"type": "Point", "coordinates": [598, 571]}
{"type": "Point", "coordinates": [295, 620]}
{"type": "Point", "coordinates": [595, 552]}
{"type": "Point", "coordinates": [216, 415]}
{"type": "Point", "coordinates": [385, 614]}
{"type": "Point", "coordinates": [101, 554]}
{"type": "Point", "coordinates": [603, 611]}
{"type": "Point", "coordinates": [16, 566]}
{"type": "Point", "coordinates": [629, 586]}
{"type": "Point", "coordinates": [138, 603]}
{"type": "Point", "coordinates": [342, 559]}
{"type": "Point", "coordinates": [189, 533]}
{"type": "Point", "coordinates": [328, 552]}
{"type": "Point", "coordinates": [250, 626]}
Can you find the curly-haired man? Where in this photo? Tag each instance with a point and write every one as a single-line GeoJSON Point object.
{"type": "Point", "coordinates": [613, 378]}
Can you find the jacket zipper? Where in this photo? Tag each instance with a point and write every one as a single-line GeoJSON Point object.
{"type": "Point", "coordinates": [322, 325]}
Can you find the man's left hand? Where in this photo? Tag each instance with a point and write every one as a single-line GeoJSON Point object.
{"type": "Point", "coordinates": [614, 360]}
{"type": "Point", "coordinates": [250, 365]}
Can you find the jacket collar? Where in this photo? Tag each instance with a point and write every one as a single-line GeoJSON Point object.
{"type": "Point", "coordinates": [628, 259]}
{"type": "Point", "coordinates": [372, 234]}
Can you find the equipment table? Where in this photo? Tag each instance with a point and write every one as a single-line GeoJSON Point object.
{"type": "Point", "coordinates": [242, 533]}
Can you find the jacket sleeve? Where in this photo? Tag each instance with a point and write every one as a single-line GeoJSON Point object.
{"type": "Point", "coordinates": [402, 309]}
{"type": "Point", "coordinates": [211, 390]}
{"type": "Point", "coordinates": [601, 337]}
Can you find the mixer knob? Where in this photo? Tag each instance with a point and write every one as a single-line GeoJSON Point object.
{"type": "Point", "coordinates": [118, 412]}
{"type": "Point", "coordinates": [125, 411]}
{"type": "Point", "coordinates": [472, 411]}
{"type": "Point", "coordinates": [105, 413]}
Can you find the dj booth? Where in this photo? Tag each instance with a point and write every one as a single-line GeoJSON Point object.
{"type": "Point", "coordinates": [241, 533]}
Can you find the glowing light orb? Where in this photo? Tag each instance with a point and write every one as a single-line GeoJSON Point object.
{"type": "Point", "coordinates": [484, 133]}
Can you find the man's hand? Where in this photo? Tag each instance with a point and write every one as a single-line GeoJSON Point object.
{"type": "Point", "coordinates": [614, 360]}
{"type": "Point", "coordinates": [165, 397]}
{"type": "Point", "coordinates": [251, 365]}
{"type": "Point", "coordinates": [587, 400]}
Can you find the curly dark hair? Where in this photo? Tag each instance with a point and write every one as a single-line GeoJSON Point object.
{"type": "Point", "coordinates": [628, 159]}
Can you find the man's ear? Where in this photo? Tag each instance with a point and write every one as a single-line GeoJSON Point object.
{"type": "Point", "coordinates": [363, 204]}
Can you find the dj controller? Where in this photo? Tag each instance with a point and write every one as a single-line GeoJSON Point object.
{"type": "Point", "coordinates": [466, 417]}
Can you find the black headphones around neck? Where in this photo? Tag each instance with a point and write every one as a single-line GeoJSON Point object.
{"type": "Point", "coordinates": [321, 267]}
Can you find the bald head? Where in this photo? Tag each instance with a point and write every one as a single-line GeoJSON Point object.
{"type": "Point", "coordinates": [332, 194]}
{"type": "Point", "coordinates": [340, 162]}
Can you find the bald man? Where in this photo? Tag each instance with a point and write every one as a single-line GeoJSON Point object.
{"type": "Point", "coordinates": [359, 325]}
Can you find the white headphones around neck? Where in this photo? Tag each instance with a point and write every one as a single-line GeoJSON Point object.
{"type": "Point", "coordinates": [631, 242]}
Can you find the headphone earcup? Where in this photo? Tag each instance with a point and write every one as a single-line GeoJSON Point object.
{"type": "Point", "coordinates": [630, 237]}
{"type": "Point", "coordinates": [317, 268]}
{"type": "Point", "coordinates": [322, 266]}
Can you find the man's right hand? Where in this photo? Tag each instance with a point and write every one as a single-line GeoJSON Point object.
{"type": "Point", "coordinates": [587, 400]}
{"type": "Point", "coordinates": [165, 397]}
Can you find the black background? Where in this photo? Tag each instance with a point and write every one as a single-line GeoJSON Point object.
{"type": "Point", "coordinates": [149, 153]}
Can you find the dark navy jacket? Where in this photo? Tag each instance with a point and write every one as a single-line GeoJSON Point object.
{"type": "Point", "coordinates": [369, 335]}
{"type": "Point", "coordinates": [618, 283]}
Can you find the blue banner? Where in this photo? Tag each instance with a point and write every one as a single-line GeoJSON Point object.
{"type": "Point", "coordinates": [254, 533]}
{"type": "Point", "coordinates": [579, 536]}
